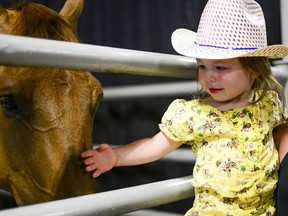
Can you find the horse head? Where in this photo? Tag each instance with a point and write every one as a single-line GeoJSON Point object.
{"type": "Point", "coordinates": [46, 114]}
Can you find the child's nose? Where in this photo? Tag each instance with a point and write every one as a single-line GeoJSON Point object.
{"type": "Point", "coordinates": [210, 76]}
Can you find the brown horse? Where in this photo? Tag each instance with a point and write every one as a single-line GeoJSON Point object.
{"type": "Point", "coordinates": [46, 114]}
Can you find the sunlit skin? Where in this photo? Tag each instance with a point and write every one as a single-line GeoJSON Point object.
{"type": "Point", "coordinates": [227, 83]}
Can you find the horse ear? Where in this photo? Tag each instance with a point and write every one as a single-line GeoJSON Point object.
{"type": "Point", "coordinates": [2, 9]}
{"type": "Point", "coordinates": [72, 10]}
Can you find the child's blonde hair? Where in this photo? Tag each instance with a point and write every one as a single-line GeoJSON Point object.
{"type": "Point", "coordinates": [265, 80]}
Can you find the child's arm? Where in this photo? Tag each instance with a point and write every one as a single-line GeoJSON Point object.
{"type": "Point", "coordinates": [280, 135]}
{"type": "Point", "coordinates": [142, 151]}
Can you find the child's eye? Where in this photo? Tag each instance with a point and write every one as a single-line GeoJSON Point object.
{"type": "Point", "coordinates": [201, 67]}
{"type": "Point", "coordinates": [220, 68]}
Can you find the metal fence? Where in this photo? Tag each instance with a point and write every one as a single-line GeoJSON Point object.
{"type": "Point", "coordinates": [22, 51]}
{"type": "Point", "coordinates": [114, 202]}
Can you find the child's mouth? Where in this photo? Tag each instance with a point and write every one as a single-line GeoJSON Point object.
{"type": "Point", "coordinates": [215, 90]}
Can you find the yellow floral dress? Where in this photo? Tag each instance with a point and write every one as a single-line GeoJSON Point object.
{"type": "Point", "coordinates": [236, 168]}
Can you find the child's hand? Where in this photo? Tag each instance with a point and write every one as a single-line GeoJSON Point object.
{"type": "Point", "coordinates": [99, 160]}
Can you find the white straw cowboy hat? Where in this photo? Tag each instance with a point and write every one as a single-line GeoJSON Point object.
{"type": "Point", "coordinates": [228, 29]}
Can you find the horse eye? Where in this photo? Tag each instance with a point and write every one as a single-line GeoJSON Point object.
{"type": "Point", "coordinates": [8, 103]}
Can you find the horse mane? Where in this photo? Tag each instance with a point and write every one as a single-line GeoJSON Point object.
{"type": "Point", "coordinates": [36, 20]}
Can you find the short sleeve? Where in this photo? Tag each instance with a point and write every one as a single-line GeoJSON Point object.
{"type": "Point", "coordinates": [275, 110]}
{"type": "Point", "coordinates": [281, 111]}
{"type": "Point", "coordinates": [176, 122]}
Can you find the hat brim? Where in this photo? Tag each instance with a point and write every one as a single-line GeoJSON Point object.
{"type": "Point", "coordinates": [183, 41]}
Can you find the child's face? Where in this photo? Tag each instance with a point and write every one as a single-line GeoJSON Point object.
{"type": "Point", "coordinates": [225, 80]}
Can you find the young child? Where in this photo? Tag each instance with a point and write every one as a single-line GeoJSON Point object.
{"type": "Point", "coordinates": [230, 128]}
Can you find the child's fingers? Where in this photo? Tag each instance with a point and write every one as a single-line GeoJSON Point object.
{"type": "Point", "coordinates": [104, 146]}
{"type": "Point", "coordinates": [96, 173]}
{"type": "Point", "coordinates": [88, 161]}
{"type": "Point", "coordinates": [88, 153]}
{"type": "Point", "coordinates": [90, 168]}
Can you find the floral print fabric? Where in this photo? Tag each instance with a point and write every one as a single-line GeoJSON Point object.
{"type": "Point", "coordinates": [236, 160]}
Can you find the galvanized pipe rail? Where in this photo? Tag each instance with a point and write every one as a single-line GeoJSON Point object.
{"type": "Point", "coordinates": [22, 51]}
{"type": "Point", "coordinates": [114, 202]}
{"type": "Point", "coordinates": [150, 90]}
{"type": "Point", "coordinates": [25, 51]}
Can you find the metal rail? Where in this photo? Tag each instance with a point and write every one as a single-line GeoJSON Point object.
{"type": "Point", "coordinates": [114, 202]}
{"type": "Point", "coordinates": [151, 90]}
{"type": "Point", "coordinates": [25, 51]}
